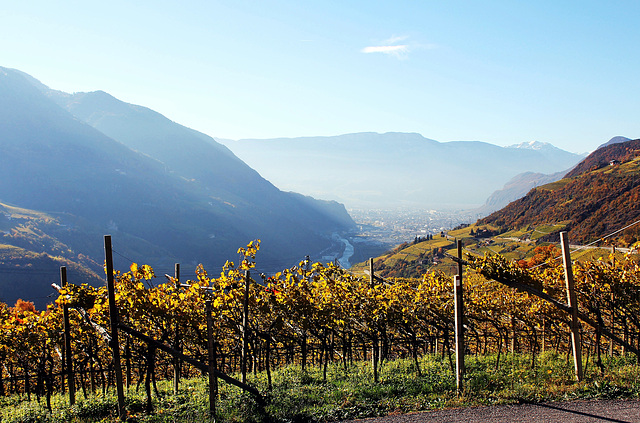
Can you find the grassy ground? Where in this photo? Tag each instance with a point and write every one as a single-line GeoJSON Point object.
{"type": "Point", "coordinates": [305, 397]}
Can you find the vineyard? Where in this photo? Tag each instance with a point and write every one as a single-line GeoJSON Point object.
{"type": "Point", "coordinates": [312, 314]}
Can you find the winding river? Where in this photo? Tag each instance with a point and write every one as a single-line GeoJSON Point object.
{"type": "Point", "coordinates": [346, 255]}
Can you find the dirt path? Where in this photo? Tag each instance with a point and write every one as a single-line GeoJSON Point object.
{"type": "Point", "coordinates": [619, 411]}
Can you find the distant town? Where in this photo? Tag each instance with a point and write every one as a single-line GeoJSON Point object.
{"type": "Point", "coordinates": [395, 226]}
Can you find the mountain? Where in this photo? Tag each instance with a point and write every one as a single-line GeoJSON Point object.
{"type": "Point", "coordinates": [184, 151]}
{"type": "Point", "coordinates": [591, 204]}
{"type": "Point", "coordinates": [615, 140]}
{"type": "Point", "coordinates": [598, 197]}
{"type": "Point", "coordinates": [211, 165]}
{"type": "Point", "coordinates": [621, 151]}
{"type": "Point", "coordinates": [31, 256]}
{"type": "Point", "coordinates": [549, 151]}
{"type": "Point", "coordinates": [197, 208]}
{"type": "Point", "coordinates": [370, 170]}
{"type": "Point", "coordinates": [520, 184]}
{"type": "Point", "coordinates": [534, 145]}
{"type": "Point", "coordinates": [515, 188]}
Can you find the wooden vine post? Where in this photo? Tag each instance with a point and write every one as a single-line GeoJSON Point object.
{"type": "Point", "coordinates": [213, 379]}
{"type": "Point", "coordinates": [371, 276]}
{"type": "Point", "coordinates": [573, 305]}
{"type": "Point", "coordinates": [176, 361]}
{"type": "Point", "coordinates": [245, 327]}
{"type": "Point", "coordinates": [459, 315]}
{"type": "Point", "coordinates": [613, 303]}
{"type": "Point", "coordinates": [374, 343]}
{"type": "Point", "coordinates": [113, 321]}
{"type": "Point", "coordinates": [67, 341]}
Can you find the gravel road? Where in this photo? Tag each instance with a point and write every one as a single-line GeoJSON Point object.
{"type": "Point", "coordinates": [620, 411]}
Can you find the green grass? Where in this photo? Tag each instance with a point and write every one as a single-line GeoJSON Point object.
{"type": "Point", "coordinates": [516, 233]}
{"type": "Point", "coordinates": [555, 185]}
{"type": "Point", "coordinates": [409, 253]}
{"type": "Point", "coordinates": [543, 230]}
{"type": "Point", "coordinates": [413, 251]}
{"type": "Point", "coordinates": [305, 397]}
{"type": "Point", "coordinates": [464, 233]}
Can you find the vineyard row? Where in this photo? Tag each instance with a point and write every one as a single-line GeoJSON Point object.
{"type": "Point", "coordinates": [310, 314]}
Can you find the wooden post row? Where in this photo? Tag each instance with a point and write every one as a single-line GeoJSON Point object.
{"type": "Point", "coordinates": [211, 367]}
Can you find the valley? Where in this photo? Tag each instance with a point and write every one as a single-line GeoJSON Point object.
{"type": "Point", "coordinates": [286, 212]}
{"type": "Point", "coordinates": [379, 230]}
{"type": "Point", "coordinates": [168, 195]}
{"type": "Point", "coordinates": [74, 167]}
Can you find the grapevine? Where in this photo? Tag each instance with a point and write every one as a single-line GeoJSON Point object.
{"type": "Point", "coordinates": [310, 313]}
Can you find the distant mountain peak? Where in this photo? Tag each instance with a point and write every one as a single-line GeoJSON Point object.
{"type": "Point", "coordinates": [615, 140]}
{"type": "Point", "coordinates": [533, 145]}
{"type": "Point", "coordinates": [592, 200]}
{"type": "Point", "coordinates": [98, 93]}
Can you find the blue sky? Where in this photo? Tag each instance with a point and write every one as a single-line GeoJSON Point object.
{"type": "Point", "coordinates": [504, 72]}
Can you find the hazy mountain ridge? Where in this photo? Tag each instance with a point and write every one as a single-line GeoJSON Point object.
{"type": "Point", "coordinates": [197, 156]}
{"type": "Point", "coordinates": [592, 200]}
{"type": "Point", "coordinates": [50, 160]}
{"type": "Point", "coordinates": [615, 140]}
{"type": "Point", "coordinates": [516, 188]}
{"type": "Point", "coordinates": [399, 169]}
{"type": "Point", "coordinates": [591, 205]}
{"type": "Point", "coordinates": [53, 162]}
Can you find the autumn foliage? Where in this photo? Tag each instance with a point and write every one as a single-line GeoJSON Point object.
{"type": "Point", "coordinates": [312, 313]}
{"type": "Point", "coordinates": [593, 204]}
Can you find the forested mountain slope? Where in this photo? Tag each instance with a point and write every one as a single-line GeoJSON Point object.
{"type": "Point", "coordinates": [602, 157]}
{"type": "Point", "coordinates": [601, 198]}
{"type": "Point", "coordinates": [596, 198]}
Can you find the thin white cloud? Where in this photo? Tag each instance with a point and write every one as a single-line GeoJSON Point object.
{"type": "Point", "coordinates": [391, 47]}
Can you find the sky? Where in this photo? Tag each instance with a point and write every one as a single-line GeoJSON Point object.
{"type": "Point", "coordinates": [503, 72]}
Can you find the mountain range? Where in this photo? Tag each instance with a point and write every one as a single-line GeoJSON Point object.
{"type": "Point", "coordinates": [596, 203]}
{"type": "Point", "coordinates": [598, 197]}
{"type": "Point", "coordinates": [87, 165]}
{"type": "Point", "coordinates": [371, 170]}
{"type": "Point", "coordinates": [74, 167]}
{"type": "Point", "coordinates": [521, 184]}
